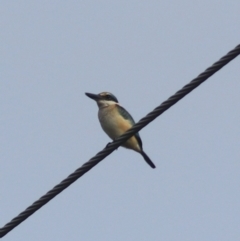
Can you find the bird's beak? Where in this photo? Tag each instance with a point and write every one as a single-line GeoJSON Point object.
{"type": "Point", "coordinates": [93, 96]}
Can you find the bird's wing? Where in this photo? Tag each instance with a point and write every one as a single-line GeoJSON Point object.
{"type": "Point", "coordinates": [128, 117]}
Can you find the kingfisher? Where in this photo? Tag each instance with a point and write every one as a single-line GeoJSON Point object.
{"type": "Point", "coordinates": [115, 121]}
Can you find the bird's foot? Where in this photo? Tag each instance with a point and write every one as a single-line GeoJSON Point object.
{"type": "Point", "coordinates": [109, 144]}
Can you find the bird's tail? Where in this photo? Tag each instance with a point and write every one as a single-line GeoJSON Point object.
{"type": "Point", "coordinates": [147, 159]}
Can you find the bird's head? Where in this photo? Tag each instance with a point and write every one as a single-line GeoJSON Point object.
{"type": "Point", "coordinates": [103, 99]}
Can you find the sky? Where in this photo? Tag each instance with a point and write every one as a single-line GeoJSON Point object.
{"type": "Point", "coordinates": [52, 52]}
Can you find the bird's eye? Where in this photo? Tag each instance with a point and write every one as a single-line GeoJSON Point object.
{"type": "Point", "coordinates": [108, 97]}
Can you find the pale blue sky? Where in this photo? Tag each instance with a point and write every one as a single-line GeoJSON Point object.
{"type": "Point", "coordinates": [52, 52]}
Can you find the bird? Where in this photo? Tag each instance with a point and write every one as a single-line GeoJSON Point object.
{"type": "Point", "coordinates": [115, 120]}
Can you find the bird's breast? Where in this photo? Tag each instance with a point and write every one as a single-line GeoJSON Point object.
{"type": "Point", "coordinates": [112, 122]}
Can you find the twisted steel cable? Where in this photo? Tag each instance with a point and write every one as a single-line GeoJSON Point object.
{"type": "Point", "coordinates": [115, 144]}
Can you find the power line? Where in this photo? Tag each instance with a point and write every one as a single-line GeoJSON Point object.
{"type": "Point", "coordinates": [115, 144]}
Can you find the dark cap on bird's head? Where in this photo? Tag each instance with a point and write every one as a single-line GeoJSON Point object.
{"type": "Point", "coordinates": [102, 96]}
